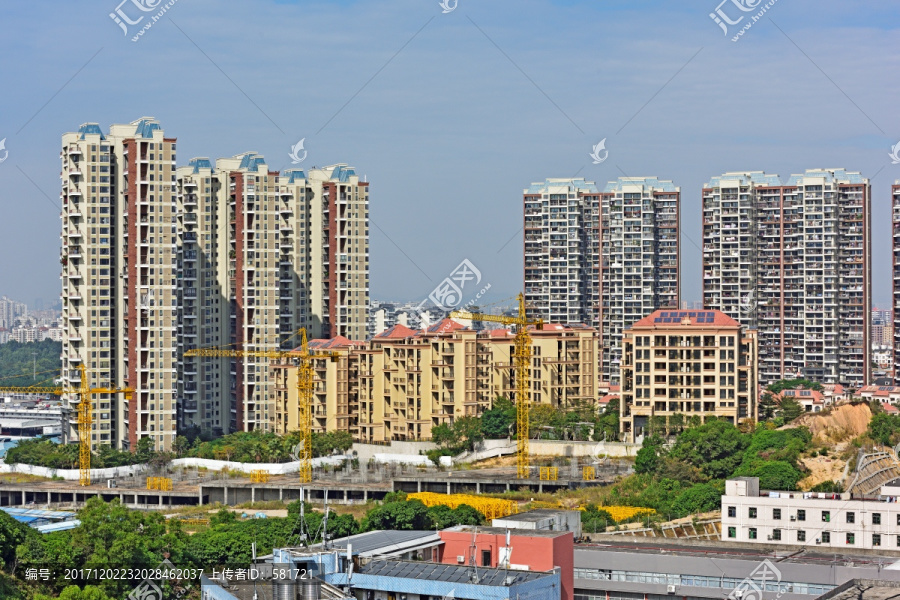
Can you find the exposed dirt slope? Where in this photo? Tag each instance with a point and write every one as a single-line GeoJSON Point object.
{"type": "Point", "coordinates": [835, 430]}
{"type": "Point", "coordinates": [841, 424]}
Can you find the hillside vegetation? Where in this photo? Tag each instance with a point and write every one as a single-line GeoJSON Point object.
{"type": "Point", "coordinates": [19, 361]}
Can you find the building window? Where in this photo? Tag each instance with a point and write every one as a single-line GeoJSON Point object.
{"type": "Point", "coordinates": [851, 517]}
{"type": "Point", "coordinates": [776, 514]}
{"type": "Point", "coordinates": [876, 539]}
{"type": "Point", "coordinates": [752, 512]}
{"type": "Point", "coordinates": [801, 515]}
{"type": "Point", "coordinates": [732, 511]}
{"type": "Point", "coordinates": [826, 516]}
{"type": "Point", "coordinates": [753, 533]}
{"type": "Point", "coordinates": [826, 537]}
{"type": "Point", "coordinates": [801, 536]}
{"type": "Point", "coordinates": [876, 518]}
{"type": "Point", "coordinates": [732, 533]}
{"type": "Point", "coordinates": [851, 538]}
{"type": "Point", "coordinates": [776, 534]}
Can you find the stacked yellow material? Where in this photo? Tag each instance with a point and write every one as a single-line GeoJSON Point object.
{"type": "Point", "coordinates": [491, 508]}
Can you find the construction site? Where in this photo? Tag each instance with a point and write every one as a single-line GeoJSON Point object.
{"type": "Point", "coordinates": [196, 486]}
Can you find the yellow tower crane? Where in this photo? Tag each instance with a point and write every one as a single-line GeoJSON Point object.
{"type": "Point", "coordinates": [305, 386]}
{"type": "Point", "coordinates": [522, 367]}
{"type": "Point", "coordinates": [85, 416]}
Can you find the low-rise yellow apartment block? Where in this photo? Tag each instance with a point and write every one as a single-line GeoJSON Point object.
{"type": "Point", "coordinates": [403, 382]}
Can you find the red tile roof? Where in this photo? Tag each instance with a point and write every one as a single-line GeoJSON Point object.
{"type": "Point", "coordinates": [445, 326]}
{"type": "Point", "coordinates": [396, 332]}
{"type": "Point", "coordinates": [335, 342]}
{"type": "Point", "coordinates": [879, 390]}
{"type": "Point", "coordinates": [667, 319]}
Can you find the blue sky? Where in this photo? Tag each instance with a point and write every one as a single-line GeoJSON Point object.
{"type": "Point", "coordinates": [451, 115]}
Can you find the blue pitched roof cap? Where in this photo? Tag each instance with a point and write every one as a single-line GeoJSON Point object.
{"type": "Point", "coordinates": [91, 129]}
{"type": "Point", "coordinates": [294, 175]}
{"type": "Point", "coordinates": [251, 161]}
{"type": "Point", "coordinates": [145, 128]}
{"type": "Point", "coordinates": [200, 163]}
{"type": "Point", "coordinates": [342, 173]}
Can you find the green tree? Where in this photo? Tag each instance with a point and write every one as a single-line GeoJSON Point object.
{"type": "Point", "coordinates": [12, 533]}
{"type": "Point", "coordinates": [828, 487]}
{"type": "Point", "coordinates": [716, 448]}
{"type": "Point", "coordinates": [767, 406]}
{"type": "Point", "coordinates": [53, 551]}
{"type": "Point", "coordinates": [883, 428]}
{"type": "Point", "coordinates": [112, 536]}
{"type": "Point", "coordinates": [441, 516]}
{"type": "Point", "coordinates": [608, 424]}
{"type": "Point", "coordinates": [774, 475]}
{"type": "Point", "coordinates": [411, 514]}
{"type": "Point", "coordinates": [678, 470]}
{"type": "Point", "coordinates": [594, 519]}
{"type": "Point", "coordinates": [498, 421]}
{"type": "Point", "coordinates": [144, 451]}
{"type": "Point", "coordinates": [648, 457]}
{"type": "Point", "coordinates": [19, 361]}
{"type": "Point", "coordinates": [462, 435]}
{"type": "Point", "coordinates": [793, 384]}
{"type": "Point", "coordinates": [790, 409]}
{"type": "Point", "coordinates": [544, 422]}
{"type": "Point", "coordinates": [342, 525]}
{"type": "Point", "coordinates": [73, 592]}
{"type": "Point", "coordinates": [700, 498]}
{"type": "Point", "coordinates": [466, 515]}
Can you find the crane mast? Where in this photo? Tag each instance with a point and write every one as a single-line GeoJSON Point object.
{"type": "Point", "coordinates": [521, 360]}
{"type": "Point", "coordinates": [305, 387]}
{"type": "Point", "coordinates": [85, 414]}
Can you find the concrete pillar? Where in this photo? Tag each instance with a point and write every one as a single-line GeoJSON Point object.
{"type": "Point", "coordinates": [122, 499]}
{"type": "Point", "coordinates": [419, 485]}
{"type": "Point", "coordinates": [507, 486]}
{"type": "Point", "coordinates": [23, 497]}
{"type": "Point", "coordinates": [365, 496]}
{"type": "Point", "coordinates": [345, 496]}
{"type": "Point", "coordinates": [477, 487]}
{"type": "Point", "coordinates": [225, 498]}
{"type": "Point", "coordinates": [281, 493]}
{"type": "Point", "coordinates": [448, 487]}
{"type": "Point", "coordinates": [540, 487]}
{"type": "Point", "coordinates": [252, 494]}
{"type": "Point", "coordinates": [161, 499]}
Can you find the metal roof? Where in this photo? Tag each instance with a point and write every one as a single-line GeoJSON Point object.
{"type": "Point", "coordinates": [25, 423]}
{"type": "Point", "coordinates": [448, 573]}
{"type": "Point", "coordinates": [386, 542]}
{"type": "Point", "coordinates": [57, 515]}
{"type": "Point", "coordinates": [61, 526]}
{"type": "Point", "coordinates": [537, 514]}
